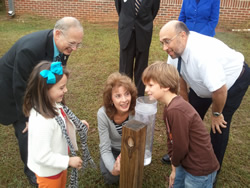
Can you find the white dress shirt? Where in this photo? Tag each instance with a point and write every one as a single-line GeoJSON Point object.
{"type": "Point", "coordinates": [207, 64]}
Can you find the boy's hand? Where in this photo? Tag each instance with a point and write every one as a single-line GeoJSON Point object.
{"type": "Point", "coordinates": [172, 177]}
{"type": "Point", "coordinates": [85, 122]}
{"type": "Point", "coordinates": [75, 162]}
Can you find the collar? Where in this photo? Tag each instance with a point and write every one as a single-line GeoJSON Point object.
{"type": "Point", "coordinates": [56, 51]}
{"type": "Point", "coordinates": [186, 52]}
{"type": "Point", "coordinates": [58, 105]}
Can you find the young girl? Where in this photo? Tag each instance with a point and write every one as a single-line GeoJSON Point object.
{"type": "Point", "coordinates": [51, 129]}
{"type": "Point", "coordinates": [119, 99]}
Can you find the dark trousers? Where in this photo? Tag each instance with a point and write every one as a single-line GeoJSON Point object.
{"type": "Point", "coordinates": [234, 98]}
{"type": "Point", "coordinates": [108, 177]}
{"type": "Point", "coordinates": [133, 62]}
{"type": "Point", "coordinates": [22, 138]}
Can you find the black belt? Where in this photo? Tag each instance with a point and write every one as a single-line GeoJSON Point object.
{"type": "Point", "coordinates": [242, 71]}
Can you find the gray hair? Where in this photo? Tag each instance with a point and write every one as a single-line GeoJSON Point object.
{"type": "Point", "coordinates": [180, 26]}
{"type": "Point", "coordinates": [67, 22]}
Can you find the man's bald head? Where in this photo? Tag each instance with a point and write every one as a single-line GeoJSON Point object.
{"type": "Point", "coordinates": [175, 26]}
{"type": "Point", "coordinates": [65, 23]}
{"type": "Point", "coordinates": [173, 36]}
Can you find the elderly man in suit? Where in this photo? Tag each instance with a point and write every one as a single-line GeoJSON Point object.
{"type": "Point", "coordinates": [135, 33]}
{"type": "Point", "coordinates": [17, 64]}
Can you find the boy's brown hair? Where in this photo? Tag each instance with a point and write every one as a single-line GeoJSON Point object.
{"type": "Point", "coordinates": [164, 74]}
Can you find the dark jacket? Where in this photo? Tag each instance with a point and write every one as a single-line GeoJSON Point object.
{"type": "Point", "coordinates": [142, 23]}
{"type": "Point", "coordinates": [15, 68]}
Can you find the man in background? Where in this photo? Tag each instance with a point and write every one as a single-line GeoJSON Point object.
{"type": "Point", "coordinates": [135, 33]}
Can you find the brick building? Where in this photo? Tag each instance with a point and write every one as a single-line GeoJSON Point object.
{"type": "Point", "coordinates": [234, 14]}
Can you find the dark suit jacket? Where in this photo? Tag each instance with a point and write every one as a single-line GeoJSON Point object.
{"type": "Point", "coordinates": [142, 23]}
{"type": "Point", "coordinates": [15, 68]}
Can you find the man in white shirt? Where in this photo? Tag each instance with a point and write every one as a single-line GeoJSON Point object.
{"type": "Point", "coordinates": [211, 73]}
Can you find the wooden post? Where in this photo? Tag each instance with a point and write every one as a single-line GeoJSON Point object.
{"type": "Point", "coordinates": [132, 154]}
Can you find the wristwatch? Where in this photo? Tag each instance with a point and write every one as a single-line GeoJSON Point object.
{"type": "Point", "coordinates": [216, 114]}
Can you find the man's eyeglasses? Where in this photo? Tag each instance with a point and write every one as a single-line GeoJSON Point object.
{"type": "Point", "coordinates": [168, 41]}
{"type": "Point", "coordinates": [72, 44]}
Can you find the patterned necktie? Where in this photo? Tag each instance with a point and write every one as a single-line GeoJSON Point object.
{"type": "Point", "coordinates": [59, 57]}
{"type": "Point", "coordinates": [137, 6]}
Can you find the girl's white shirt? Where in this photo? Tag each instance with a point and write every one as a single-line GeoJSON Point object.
{"type": "Point", "coordinates": [47, 146]}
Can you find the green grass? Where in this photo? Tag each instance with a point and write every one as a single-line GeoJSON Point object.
{"type": "Point", "coordinates": [90, 67]}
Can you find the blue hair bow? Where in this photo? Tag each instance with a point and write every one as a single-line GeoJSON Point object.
{"type": "Point", "coordinates": [55, 68]}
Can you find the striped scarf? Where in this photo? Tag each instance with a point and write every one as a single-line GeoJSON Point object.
{"type": "Point", "coordinates": [82, 130]}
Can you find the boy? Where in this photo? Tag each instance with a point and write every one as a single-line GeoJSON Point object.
{"type": "Point", "coordinates": [194, 163]}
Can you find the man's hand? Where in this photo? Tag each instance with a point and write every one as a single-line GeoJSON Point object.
{"type": "Point", "coordinates": [219, 98]}
{"type": "Point", "coordinates": [26, 128]}
{"type": "Point", "coordinates": [217, 122]}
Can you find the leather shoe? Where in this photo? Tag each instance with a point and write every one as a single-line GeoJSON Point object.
{"type": "Point", "coordinates": [165, 159]}
{"type": "Point", "coordinates": [32, 180]}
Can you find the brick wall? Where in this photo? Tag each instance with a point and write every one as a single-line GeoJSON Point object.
{"type": "Point", "coordinates": [233, 13]}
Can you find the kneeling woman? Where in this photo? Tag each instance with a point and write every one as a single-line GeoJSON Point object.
{"type": "Point", "coordinates": [119, 99]}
